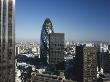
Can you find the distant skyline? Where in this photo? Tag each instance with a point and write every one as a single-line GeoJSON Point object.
{"type": "Point", "coordinates": [78, 19]}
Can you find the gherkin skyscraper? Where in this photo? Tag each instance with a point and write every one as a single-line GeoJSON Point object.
{"type": "Point", "coordinates": [47, 28]}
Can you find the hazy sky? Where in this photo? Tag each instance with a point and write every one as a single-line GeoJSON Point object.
{"type": "Point", "coordinates": [78, 19]}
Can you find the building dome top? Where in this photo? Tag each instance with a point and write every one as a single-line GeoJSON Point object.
{"type": "Point", "coordinates": [47, 20]}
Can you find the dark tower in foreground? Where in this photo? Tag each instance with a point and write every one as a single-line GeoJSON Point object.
{"type": "Point", "coordinates": [56, 50]}
{"type": "Point", "coordinates": [106, 62]}
{"type": "Point", "coordinates": [47, 28]}
{"type": "Point", "coordinates": [78, 64]}
{"type": "Point", "coordinates": [7, 40]}
{"type": "Point", "coordinates": [86, 64]}
{"type": "Point", "coordinates": [90, 64]}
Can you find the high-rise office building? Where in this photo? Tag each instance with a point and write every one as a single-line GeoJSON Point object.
{"type": "Point", "coordinates": [106, 62]}
{"type": "Point", "coordinates": [99, 59]}
{"type": "Point", "coordinates": [47, 28]}
{"type": "Point", "coordinates": [86, 64]}
{"type": "Point", "coordinates": [17, 50]}
{"type": "Point", "coordinates": [7, 40]}
{"type": "Point", "coordinates": [90, 64]}
{"type": "Point", "coordinates": [78, 64]}
{"type": "Point", "coordinates": [56, 48]}
{"type": "Point", "coordinates": [109, 47]}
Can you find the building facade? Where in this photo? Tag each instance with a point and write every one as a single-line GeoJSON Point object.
{"type": "Point", "coordinates": [7, 40]}
{"type": "Point", "coordinates": [90, 64]}
{"type": "Point", "coordinates": [109, 47]}
{"type": "Point", "coordinates": [47, 28]}
{"type": "Point", "coordinates": [36, 77]}
{"type": "Point", "coordinates": [17, 50]}
{"type": "Point", "coordinates": [85, 64]}
{"type": "Point", "coordinates": [56, 48]}
{"type": "Point", "coordinates": [106, 62]}
{"type": "Point", "coordinates": [78, 64]}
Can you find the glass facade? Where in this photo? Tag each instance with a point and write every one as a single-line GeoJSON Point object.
{"type": "Point", "coordinates": [47, 28]}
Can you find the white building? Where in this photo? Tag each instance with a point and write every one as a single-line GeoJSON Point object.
{"type": "Point", "coordinates": [103, 47]}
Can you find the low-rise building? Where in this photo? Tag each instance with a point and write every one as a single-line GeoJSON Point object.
{"type": "Point", "coordinates": [37, 77]}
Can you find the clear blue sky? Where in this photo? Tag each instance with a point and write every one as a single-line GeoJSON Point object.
{"type": "Point", "coordinates": [78, 19]}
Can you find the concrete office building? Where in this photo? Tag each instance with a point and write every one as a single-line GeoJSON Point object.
{"type": "Point", "coordinates": [7, 40]}
{"type": "Point", "coordinates": [17, 50]}
{"type": "Point", "coordinates": [90, 64]}
{"type": "Point", "coordinates": [86, 64]}
{"type": "Point", "coordinates": [56, 48]}
{"type": "Point", "coordinates": [106, 62]}
{"type": "Point", "coordinates": [78, 64]}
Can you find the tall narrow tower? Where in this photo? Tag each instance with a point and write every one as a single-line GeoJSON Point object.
{"type": "Point", "coordinates": [7, 40]}
{"type": "Point", "coordinates": [86, 64]}
{"type": "Point", "coordinates": [47, 28]}
{"type": "Point", "coordinates": [90, 64]}
{"type": "Point", "coordinates": [56, 50]}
